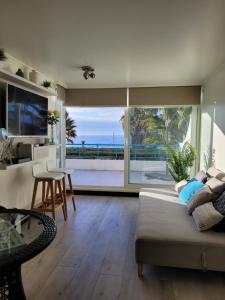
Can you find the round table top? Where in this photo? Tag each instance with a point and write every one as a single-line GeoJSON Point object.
{"type": "Point", "coordinates": [20, 242]}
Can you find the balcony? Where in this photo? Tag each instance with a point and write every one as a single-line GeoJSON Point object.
{"type": "Point", "coordinates": [103, 164]}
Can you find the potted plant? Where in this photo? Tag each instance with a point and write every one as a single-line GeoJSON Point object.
{"type": "Point", "coordinates": [20, 73]}
{"type": "Point", "coordinates": [53, 118]}
{"type": "Point", "coordinates": [180, 161]}
{"type": "Point", "coordinates": [3, 56]}
{"type": "Point", "coordinates": [47, 84]}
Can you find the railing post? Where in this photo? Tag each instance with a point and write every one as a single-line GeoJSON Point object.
{"type": "Point", "coordinates": [135, 152]}
{"type": "Point", "coordinates": [97, 151]}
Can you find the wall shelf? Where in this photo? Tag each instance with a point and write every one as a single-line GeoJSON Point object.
{"type": "Point", "coordinates": [40, 152]}
{"type": "Point", "coordinates": [12, 78]}
{"type": "Point", "coordinates": [4, 167]}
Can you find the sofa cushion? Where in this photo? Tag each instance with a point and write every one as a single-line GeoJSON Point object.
{"type": "Point", "coordinates": [216, 185]}
{"type": "Point", "coordinates": [202, 196]}
{"type": "Point", "coordinates": [189, 190]}
{"type": "Point", "coordinates": [166, 235]}
{"type": "Point", "coordinates": [163, 217]}
{"type": "Point", "coordinates": [206, 216]}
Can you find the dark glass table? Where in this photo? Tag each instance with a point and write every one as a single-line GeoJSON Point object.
{"type": "Point", "coordinates": [20, 242]}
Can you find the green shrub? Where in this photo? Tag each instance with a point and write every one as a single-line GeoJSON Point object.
{"type": "Point", "coordinates": [180, 161]}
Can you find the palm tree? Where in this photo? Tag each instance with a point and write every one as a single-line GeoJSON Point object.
{"type": "Point", "coordinates": [158, 125]}
{"type": "Point", "coordinates": [141, 120]}
{"type": "Point", "coordinates": [177, 121]}
{"type": "Point", "coordinates": [71, 132]}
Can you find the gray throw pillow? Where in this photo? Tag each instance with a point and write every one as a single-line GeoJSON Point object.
{"type": "Point", "coordinates": [202, 196]}
{"type": "Point", "coordinates": [206, 216]}
{"type": "Point", "coordinates": [219, 204]}
{"type": "Point", "coordinates": [213, 172]}
{"type": "Point", "coordinates": [216, 185]}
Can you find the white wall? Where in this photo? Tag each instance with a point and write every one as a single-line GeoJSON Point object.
{"type": "Point", "coordinates": [213, 121]}
{"type": "Point", "coordinates": [16, 185]}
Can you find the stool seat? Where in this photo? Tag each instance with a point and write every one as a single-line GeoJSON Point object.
{"type": "Point", "coordinates": [61, 170]}
{"type": "Point", "coordinates": [50, 175]}
{"type": "Point", "coordinates": [51, 167]}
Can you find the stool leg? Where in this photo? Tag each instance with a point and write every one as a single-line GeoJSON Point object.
{"type": "Point", "coordinates": [64, 194]}
{"type": "Point", "coordinates": [43, 194]}
{"type": "Point", "coordinates": [47, 193]}
{"type": "Point", "coordinates": [34, 193]}
{"type": "Point", "coordinates": [52, 198]}
{"type": "Point", "coordinates": [140, 270]}
{"type": "Point", "coordinates": [62, 199]}
{"type": "Point", "coordinates": [33, 199]}
{"type": "Point", "coordinates": [71, 191]}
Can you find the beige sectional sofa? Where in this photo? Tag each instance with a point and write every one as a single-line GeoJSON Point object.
{"type": "Point", "coordinates": [166, 235]}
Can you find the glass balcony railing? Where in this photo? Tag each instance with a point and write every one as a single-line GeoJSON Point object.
{"type": "Point", "coordinates": [116, 151]}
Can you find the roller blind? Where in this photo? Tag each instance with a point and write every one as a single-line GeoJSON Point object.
{"type": "Point", "coordinates": [96, 97]}
{"type": "Point", "coordinates": [182, 95]}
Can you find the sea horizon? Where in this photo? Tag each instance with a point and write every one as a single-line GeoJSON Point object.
{"type": "Point", "coordinates": [99, 139]}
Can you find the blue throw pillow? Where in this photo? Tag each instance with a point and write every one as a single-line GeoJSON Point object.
{"type": "Point", "coordinates": [189, 190]}
{"type": "Point", "coordinates": [192, 179]}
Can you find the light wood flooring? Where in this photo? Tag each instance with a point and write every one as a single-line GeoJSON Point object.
{"type": "Point", "coordinates": [92, 258]}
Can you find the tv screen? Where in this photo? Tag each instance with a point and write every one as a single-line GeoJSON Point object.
{"type": "Point", "coordinates": [27, 113]}
{"type": "Point", "coordinates": [2, 105]}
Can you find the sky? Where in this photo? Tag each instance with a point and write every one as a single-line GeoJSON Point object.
{"type": "Point", "coordinates": [97, 121]}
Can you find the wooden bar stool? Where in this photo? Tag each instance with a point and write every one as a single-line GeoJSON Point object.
{"type": "Point", "coordinates": [68, 172]}
{"type": "Point", "coordinates": [53, 187]}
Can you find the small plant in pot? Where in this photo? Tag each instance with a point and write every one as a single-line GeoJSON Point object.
{"type": "Point", "coordinates": [20, 73]}
{"type": "Point", "coordinates": [180, 161]}
{"type": "Point", "coordinates": [3, 56]}
{"type": "Point", "coordinates": [47, 84]}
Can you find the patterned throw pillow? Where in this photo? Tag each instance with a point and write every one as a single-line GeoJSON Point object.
{"type": "Point", "coordinates": [219, 204]}
{"type": "Point", "coordinates": [220, 227]}
{"type": "Point", "coordinates": [205, 216]}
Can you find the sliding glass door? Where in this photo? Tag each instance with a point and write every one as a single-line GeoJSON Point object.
{"type": "Point", "coordinates": [150, 129]}
{"type": "Point", "coordinates": [115, 147]}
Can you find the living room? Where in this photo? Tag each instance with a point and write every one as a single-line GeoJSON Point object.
{"type": "Point", "coordinates": [111, 150]}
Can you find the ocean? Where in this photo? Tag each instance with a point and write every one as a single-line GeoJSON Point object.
{"type": "Point", "coordinates": [100, 139]}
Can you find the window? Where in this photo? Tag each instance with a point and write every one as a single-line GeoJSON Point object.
{"type": "Point", "coordinates": [150, 129]}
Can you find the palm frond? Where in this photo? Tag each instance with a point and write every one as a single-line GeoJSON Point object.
{"type": "Point", "coordinates": [180, 161]}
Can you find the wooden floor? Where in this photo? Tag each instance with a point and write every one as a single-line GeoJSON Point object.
{"type": "Point", "coordinates": [92, 257]}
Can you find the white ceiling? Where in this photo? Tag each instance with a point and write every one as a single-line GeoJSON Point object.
{"type": "Point", "coordinates": [129, 43]}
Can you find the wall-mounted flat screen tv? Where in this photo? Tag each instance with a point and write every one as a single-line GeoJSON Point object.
{"type": "Point", "coordinates": [27, 113]}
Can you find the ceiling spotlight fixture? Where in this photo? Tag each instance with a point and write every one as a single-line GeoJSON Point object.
{"type": "Point", "coordinates": [88, 72]}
